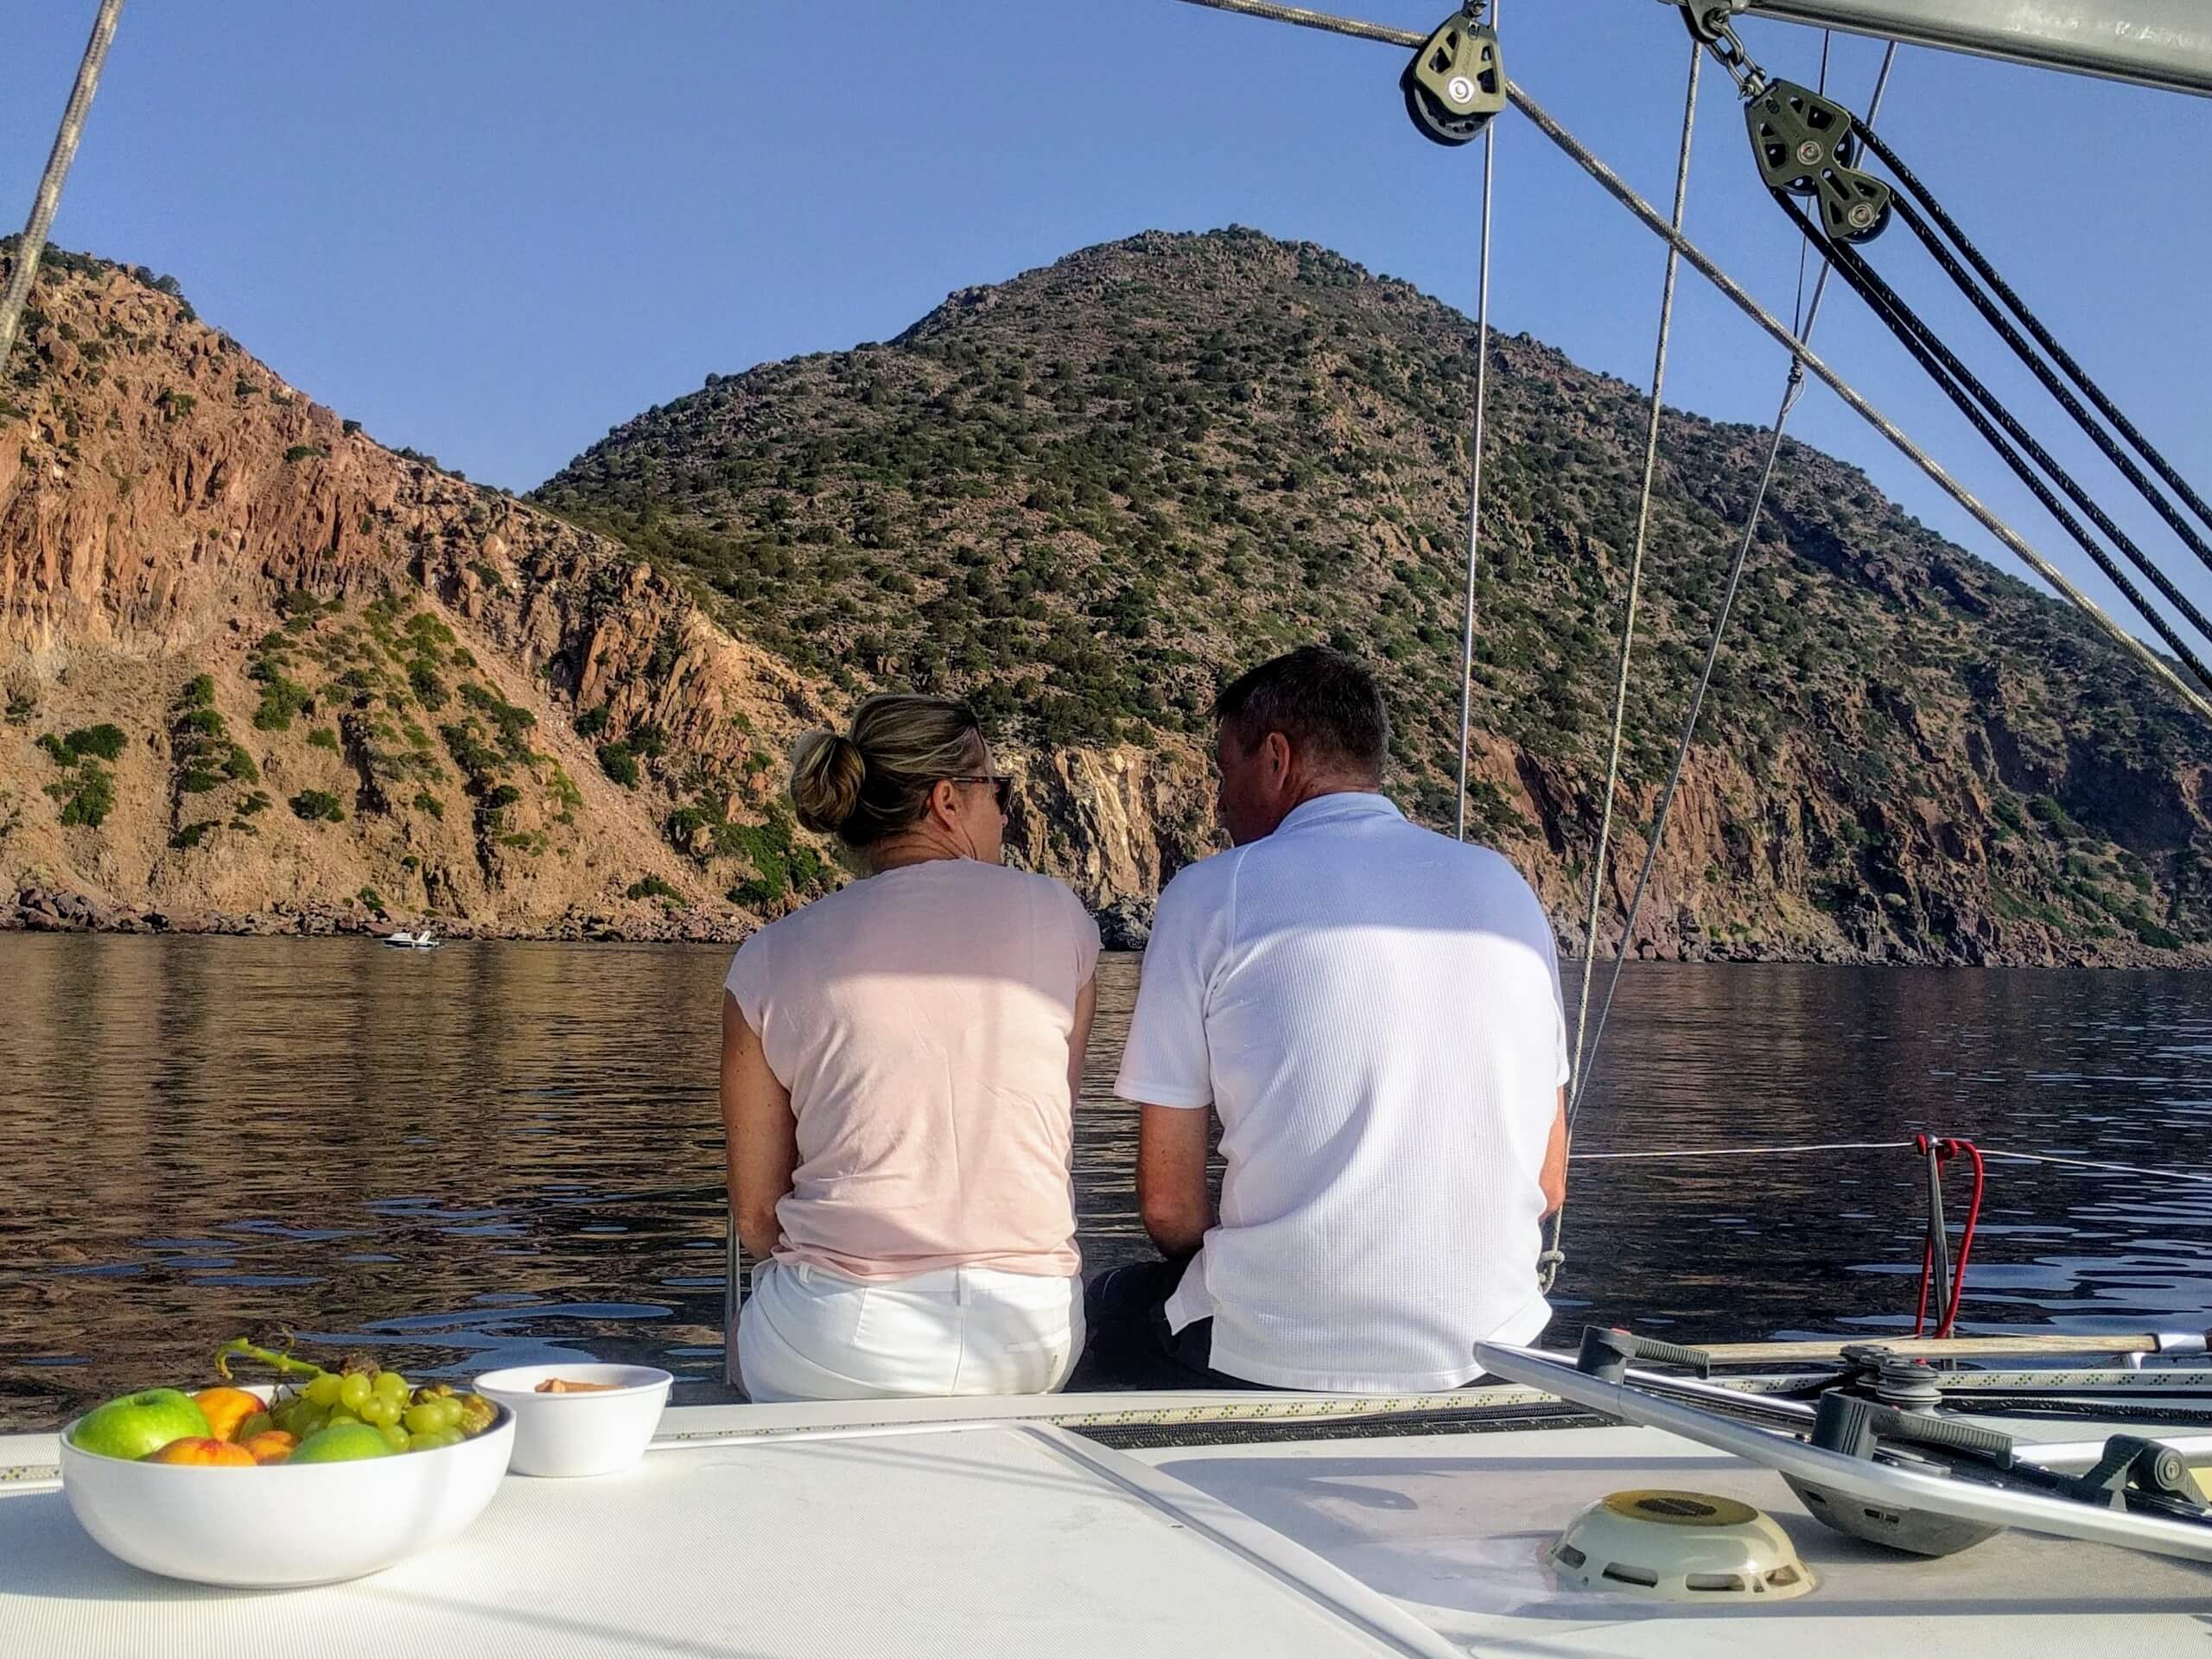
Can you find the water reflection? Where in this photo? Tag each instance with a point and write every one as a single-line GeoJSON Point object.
{"type": "Point", "coordinates": [494, 1154]}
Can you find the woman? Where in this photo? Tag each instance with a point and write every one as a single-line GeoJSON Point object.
{"type": "Point", "coordinates": [899, 1061]}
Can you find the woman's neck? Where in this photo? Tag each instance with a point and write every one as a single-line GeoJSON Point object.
{"type": "Point", "coordinates": [909, 849]}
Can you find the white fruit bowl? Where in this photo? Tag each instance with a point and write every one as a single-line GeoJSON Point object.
{"type": "Point", "coordinates": [602, 1432]}
{"type": "Point", "coordinates": [279, 1526]}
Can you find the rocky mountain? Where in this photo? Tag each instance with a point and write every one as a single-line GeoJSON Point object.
{"type": "Point", "coordinates": [260, 672]}
{"type": "Point", "coordinates": [252, 659]}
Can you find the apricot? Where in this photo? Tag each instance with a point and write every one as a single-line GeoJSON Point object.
{"type": "Point", "coordinates": [270, 1446]}
{"type": "Point", "coordinates": [226, 1408]}
{"type": "Point", "coordinates": [201, 1450]}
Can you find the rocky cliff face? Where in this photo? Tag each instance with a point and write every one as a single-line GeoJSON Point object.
{"type": "Point", "coordinates": [312, 680]}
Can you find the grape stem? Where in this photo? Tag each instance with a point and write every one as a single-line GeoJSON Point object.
{"type": "Point", "coordinates": [283, 1362]}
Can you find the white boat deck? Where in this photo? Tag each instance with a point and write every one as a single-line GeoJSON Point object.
{"type": "Point", "coordinates": [943, 1528]}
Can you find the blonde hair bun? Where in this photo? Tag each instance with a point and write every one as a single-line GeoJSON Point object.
{"type": "Point", "coordinates": [827, 772]}
{"type": "Point", "coordinates": [875, 781]}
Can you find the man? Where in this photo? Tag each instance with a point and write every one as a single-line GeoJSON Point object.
{"type": "Point", "coordinates": [1373, 1012]}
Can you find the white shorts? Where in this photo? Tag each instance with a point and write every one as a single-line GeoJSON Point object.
{"type": "Point", "coordinates": [809, 1333]}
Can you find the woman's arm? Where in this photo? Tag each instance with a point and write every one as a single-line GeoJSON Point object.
{"type": "Point", "coordinates": [760, 1134]}
{"type": "Point", "coordinates": [1086, 1005]}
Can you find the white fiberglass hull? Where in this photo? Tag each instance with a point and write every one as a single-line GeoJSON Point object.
{"type": "Point", "coordinates": [947, 1526]}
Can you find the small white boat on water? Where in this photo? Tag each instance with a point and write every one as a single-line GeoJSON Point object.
{"type": "Point", "coordinates": [425, 940]}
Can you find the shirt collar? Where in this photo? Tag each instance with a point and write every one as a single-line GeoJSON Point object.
{"type": "Point", "coordinates": [1333, 809]}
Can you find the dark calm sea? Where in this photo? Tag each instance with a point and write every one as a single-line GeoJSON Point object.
{"type": "Point", "coordinates": [493, 1153]}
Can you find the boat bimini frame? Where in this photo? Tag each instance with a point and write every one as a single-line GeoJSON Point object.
{"type": "Point", "coordinates": [2166, 44]}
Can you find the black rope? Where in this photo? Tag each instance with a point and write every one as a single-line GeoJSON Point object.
{"type": "Point", "coordinates": [2042, 457]}
{"type": "Point", "coordinates": [2043, 335]}
{"type": "Point", "coordinates": [2054, 386]}
{"type": "Point", "coordinates": [1953, 379]}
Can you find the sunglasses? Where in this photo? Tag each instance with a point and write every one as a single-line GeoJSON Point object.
{"type": "Point", "coordinates": [1001, 789]}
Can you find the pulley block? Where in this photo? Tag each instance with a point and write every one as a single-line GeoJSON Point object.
{"type": "Point", "coordinates": [1804, 145]}
{"type": "Point", "coordinates": [1455, 82]}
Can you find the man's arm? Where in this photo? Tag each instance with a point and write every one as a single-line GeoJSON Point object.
{"type": "Point", "coordinates": [1553, 1179]}
{"type": "Point", "coordinates": [1167, 1063]}
{"type": "Point", "coordinates": [761, 1134]}
{"type": "Point", "coordinates": [1172, 1192]}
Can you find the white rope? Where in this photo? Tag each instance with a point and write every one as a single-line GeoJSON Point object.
{"type": "Point", "coordinates": [57, 168]}
{"type": "Point", "coordinates": [1747, 1151]}
{"type": "Point", "coordinates": [1792, 387]}
{"type": "Point", "coordinates": [1475, 479]}
{"type": "Point", "coordinates": [2087, 1163]}
{"type": "Point", "coordinates": [1743, 1152]}
{"type": "Point", "coordinates": [1635, 587]}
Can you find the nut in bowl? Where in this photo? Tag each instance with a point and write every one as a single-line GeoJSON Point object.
{"type": "Point", "coordinates": [579, 1418]}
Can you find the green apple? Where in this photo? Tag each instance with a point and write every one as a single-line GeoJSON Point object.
{"type": "Point", "coordinates": [139, 1423]}
{"type": "Point", "coordinates": [341, 1443]}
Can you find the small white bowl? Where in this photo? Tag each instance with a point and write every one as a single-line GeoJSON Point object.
{"type": "Point", "coordinates": [282, 1525]}
{"type": "Point", "coordinates": [602, 1432]}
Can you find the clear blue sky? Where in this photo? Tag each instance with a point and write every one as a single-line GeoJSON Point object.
{"type": "Point", "coordinates": [494, 229]}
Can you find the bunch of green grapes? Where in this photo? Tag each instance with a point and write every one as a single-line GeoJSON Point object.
{"type": "Point", "coordinates": [409, 1419]}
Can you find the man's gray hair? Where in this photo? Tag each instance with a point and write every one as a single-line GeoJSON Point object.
{"type": "Point", "coordinates": [1325, 702]}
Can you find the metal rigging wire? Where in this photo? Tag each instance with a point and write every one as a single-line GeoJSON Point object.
{"type": "Point", "coordinates": [1792, 389]}
{"type": "Point", "coordinates": [1703, 262]}
{"type": "Point", "coordinates": [57, 168]}
{"type": "Point", "coordinates": [1635, 578]}
{"type": "Point", "coordinates": [1953, 379]}
{"type": "Point", "coordinates": [1475, 478]}
{"type": "Point", "coordinates": [1734, 292]}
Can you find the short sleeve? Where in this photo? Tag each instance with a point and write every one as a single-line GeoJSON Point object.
{"type": "Point", "coordinates": [1167, 1061]}
{"type": "Point", "coordinates": [1563, 1063]}
{"type": "Point", "coordinates": [747, 980]}
{"type": "Point", "coordinates": [1084, 926]}
{"type": "Point", "coordinates": [1565, 1067]}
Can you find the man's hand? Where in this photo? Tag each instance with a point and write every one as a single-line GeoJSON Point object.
{"type": "Point", "coordinates": [1172, 1177]}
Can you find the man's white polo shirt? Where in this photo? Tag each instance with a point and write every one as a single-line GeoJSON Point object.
{"type": "Point", "coordinates": [1374, 1011]}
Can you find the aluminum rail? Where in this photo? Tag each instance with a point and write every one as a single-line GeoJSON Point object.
{"type": "Point", "coordinates": [2166, 44]}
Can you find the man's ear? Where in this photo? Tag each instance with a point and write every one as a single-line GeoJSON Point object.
{"type": "Point", "coordinates": [1278, 755]}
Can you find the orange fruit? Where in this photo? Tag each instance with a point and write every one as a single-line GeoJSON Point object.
{"type": "Point", "coordinates": [226, 1408]}
{"type": "Point", "coordinates": [270, 1446]}
{"type": "Point", "coordinates": [198, 1449]}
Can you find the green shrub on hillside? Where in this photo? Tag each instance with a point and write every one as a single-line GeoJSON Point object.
{"type": "Point", "coordinates": [317, 805]}
{"type": "Point", "coordinates": [616, 760]}
{"type": "Point", "coordinates": [87, 798]}
{"type": "Point", "coordinates": [103, 742]}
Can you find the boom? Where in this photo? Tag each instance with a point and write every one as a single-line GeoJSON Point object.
{"type": "Point", "coordinates": [2162, 43]}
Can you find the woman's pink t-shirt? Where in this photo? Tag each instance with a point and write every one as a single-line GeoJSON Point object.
{"type": "Point", "coordinates": [920, 1019]}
